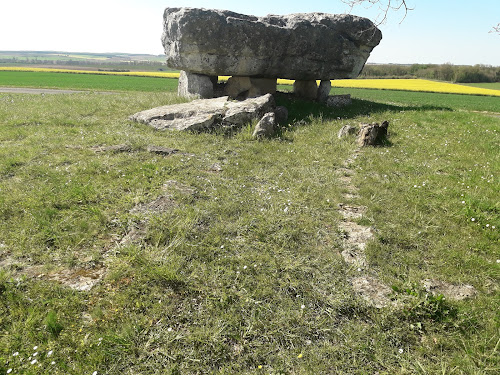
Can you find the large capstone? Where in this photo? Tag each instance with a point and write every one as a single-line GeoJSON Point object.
{"type": "Point", "coordinates": [312, 46]}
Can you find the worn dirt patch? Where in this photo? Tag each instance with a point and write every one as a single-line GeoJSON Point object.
{"type": "Point", "coordinates": [355, 235]}
{"type": "Point", "coordinates": [81, 279]}
{"type": "Point", "coordinates": [449, 290]}
{"type": "Point", "coordinates": [172, 185]}
{"type": "Point", "coordinates": [372, 291]}
{"type": "Point", "coordinates": [351, 212]}
{"type": "Point", "coordinates": [161, 204]}
{"type": "Point", "coordinates": [78, 279]}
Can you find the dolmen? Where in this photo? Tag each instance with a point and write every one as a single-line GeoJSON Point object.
{"type": "Point", "coordinates": [254, 52]}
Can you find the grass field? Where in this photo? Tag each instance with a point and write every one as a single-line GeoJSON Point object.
{"type": "Point", "coordinates": [491, 86]}
{"type": "Point", "coordinates": [97, 82]}
{"type": "Point", "coordinates": [23, 74]}
{"type": "Point", "coordinates": [415, 85]}
{"type": "Point", "coordinates": [225, 257]}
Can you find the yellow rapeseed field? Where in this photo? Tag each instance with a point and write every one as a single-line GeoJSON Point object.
{"type": "Point", "coordinates": [380, 84]}
{"type": "Point", "coordinates": [51, 70]}
{"type": "Point", "coordinates": [413, 85]}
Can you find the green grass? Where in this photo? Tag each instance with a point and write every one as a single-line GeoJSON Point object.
{"type": "Point", "coordinates": [243, 268]}
{"type": "Point", "coordinates": [431, 101]}
{"type": "Point", "coordinates": [86, 81]}
{"type": "Point", "coordinates": [492, 86]}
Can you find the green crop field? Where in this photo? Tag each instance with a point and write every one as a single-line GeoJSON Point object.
{"type": "Point", "coordinates": [493, 86]}
{"type": "Point", "coordinates": [225, 257]}
{"type": "Point", "coordinates": [85, 81]}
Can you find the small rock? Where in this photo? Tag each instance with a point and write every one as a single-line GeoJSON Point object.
{"type": "Point", "coordinates": [114, 148]}
{"type": "Point", "coordinates": [339, 101]}
{"type": "Point", "coordinates": [266, 127]}
{"type": "Point", "coordinates": [165, 151]}
{"type": "Point", "coordinates": [215, 168]}
{"type": "Point", "coordinates": [372, 134]}
{"type": "Point", "coordinates": [347, 130]}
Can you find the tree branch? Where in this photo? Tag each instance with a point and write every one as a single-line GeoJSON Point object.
{"type": "Point", "coordinates": [385, 6]}
{"type": "Point", "coordinates": [394, 5]}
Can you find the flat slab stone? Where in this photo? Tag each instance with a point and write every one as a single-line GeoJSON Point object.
{"type": "Point", "coordinates": [303, 46]}
{"type": "Point", "coordinates": [203, 114]}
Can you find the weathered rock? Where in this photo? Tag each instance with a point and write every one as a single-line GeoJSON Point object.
{"type": "Point", "coordinates": [372, 134]}
{"type": "Point", "coordinates": [281, 114]}
{"type": "Point", "coordinates": [347, 130]}
{"type": "Point", "coordinates": [247, 87]}
{"type": "Point", "coordinates": [113, 148]}
{"type": "Point", "coordinates": [306, 89]}
{"type": "Point", "coordinates": [338, 100]}
{"type": "Point", "coordinates": [266, 127]}
{"type": "Point", "coordinates": [203, 114]}
{"type": "Point", "coordinates": [324, 89]}
{"type": "Point", "coordinates": [195, 85]}
{"type": "Point", "coordinates": [296, 46]}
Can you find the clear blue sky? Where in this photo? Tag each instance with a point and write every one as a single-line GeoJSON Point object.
{"type": "Point", "coordinates": [436, 31]}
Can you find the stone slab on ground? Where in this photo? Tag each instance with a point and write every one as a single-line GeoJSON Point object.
{"type": "Point", "coordinates": [203, 114]}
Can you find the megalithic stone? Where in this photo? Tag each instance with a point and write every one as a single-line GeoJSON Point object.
{"type": "Point", "coordinates": [305, 46]}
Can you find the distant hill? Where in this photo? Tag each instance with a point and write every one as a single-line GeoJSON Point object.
{"type": "Point", "coordinates": [84, 60]}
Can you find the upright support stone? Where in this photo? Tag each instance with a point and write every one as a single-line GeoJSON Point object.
{"type": "Point", "coordinates": [196, 85]}
{"type": "Point", "coordinates": [324, 89]}
{"type": "Point", "coordinates": [305, 89]}
{"type": "Point", "coordinates": [247, 87]}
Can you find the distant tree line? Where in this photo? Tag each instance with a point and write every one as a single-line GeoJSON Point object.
{"type": "Point", "coordinates": [442, 72]}
{"type": "Point", "coordinates": [104, 64]}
